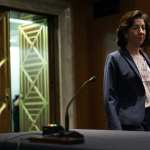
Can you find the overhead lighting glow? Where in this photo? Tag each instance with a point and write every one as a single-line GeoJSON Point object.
{"type": "Point", "coordinates": [19, 21]}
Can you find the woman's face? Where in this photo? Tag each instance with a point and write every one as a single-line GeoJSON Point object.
{"type": "Point", "coordinates": [137, 33]}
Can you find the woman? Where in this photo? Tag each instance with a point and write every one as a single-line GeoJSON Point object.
{"type": "Point", "coordinates": [127, 76]}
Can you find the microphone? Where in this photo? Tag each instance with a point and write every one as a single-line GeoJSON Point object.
{"type": "Point", "coordinates": [93, 78]}
{"type": "Point", "coordinates": [55, 133]}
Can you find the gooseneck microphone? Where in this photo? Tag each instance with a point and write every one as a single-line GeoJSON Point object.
{"type": "Point", "coordinates": [73, 98]}
{"type": "Point", "coordinates": [55, 133]}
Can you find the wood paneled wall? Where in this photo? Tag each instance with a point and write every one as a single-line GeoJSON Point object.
{"type": "Point", "coordinates": [93, 38]}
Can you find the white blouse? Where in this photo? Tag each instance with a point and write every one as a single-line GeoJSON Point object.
{"type": "Point", "coordinates": [144, 71]}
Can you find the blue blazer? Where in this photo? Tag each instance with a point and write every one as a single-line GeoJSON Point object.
{"type": "Point", "coordinates": [124, 92]}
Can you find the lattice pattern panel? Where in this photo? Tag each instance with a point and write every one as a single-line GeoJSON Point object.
{"type": "Point", "coordinates": [34, 105]}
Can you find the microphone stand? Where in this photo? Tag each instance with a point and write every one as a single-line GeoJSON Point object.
{"type": "Point", "coordinates": [72, 99]}
{"type": "Point", "coordinates": [55, 133]}
{"type": "Point", "coordinates": [68, 106]}
{"type": "Point", "coordinates": [74, 134]}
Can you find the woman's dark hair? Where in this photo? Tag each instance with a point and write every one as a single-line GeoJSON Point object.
{"type": "Point", "coordinates": [126, 22]}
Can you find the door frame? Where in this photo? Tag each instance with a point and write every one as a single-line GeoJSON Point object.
{"type": "Point", "coordinates": [62, 11]}
{"type": "Point", "coordinates": [5, 91]}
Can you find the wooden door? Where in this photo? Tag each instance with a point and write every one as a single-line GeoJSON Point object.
{"type": "Point", "coordinates": [5, 101]}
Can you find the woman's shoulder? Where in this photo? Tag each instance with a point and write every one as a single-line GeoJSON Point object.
{"type": "Point", "coordinates": [114, 54]}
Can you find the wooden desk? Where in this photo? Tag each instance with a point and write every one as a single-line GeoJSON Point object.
{"type": "Point", "coordinates": [94, 140]}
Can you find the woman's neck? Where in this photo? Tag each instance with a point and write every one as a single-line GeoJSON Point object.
{"type": "Point", "coordinates": [133, 49]}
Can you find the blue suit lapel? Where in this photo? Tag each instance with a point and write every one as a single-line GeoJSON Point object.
{"type": "Point", "coordinates": [130, 61]}
{"type": "Point", "coordinates": [146, 58]}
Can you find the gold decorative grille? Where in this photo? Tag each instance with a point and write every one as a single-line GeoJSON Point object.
{"type": "Point", "coordinates": [34, 85]}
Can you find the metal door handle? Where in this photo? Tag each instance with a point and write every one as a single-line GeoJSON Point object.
{"type": "Point", "coordinates": [2, 61]}
{"type": "Point", "coordinates": [2, 108]}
